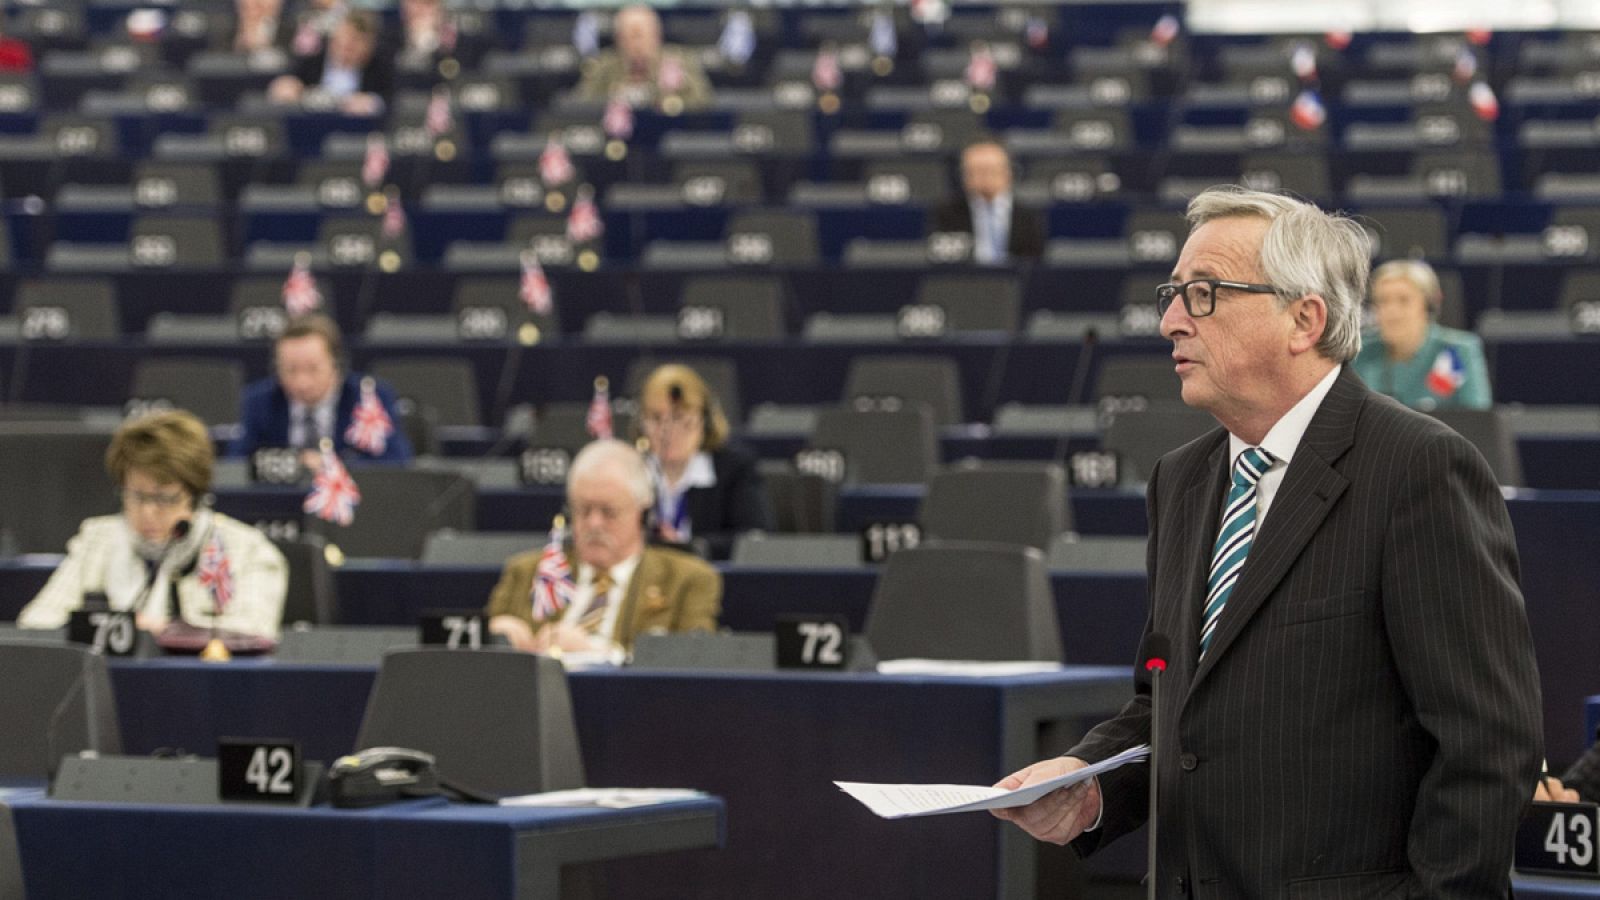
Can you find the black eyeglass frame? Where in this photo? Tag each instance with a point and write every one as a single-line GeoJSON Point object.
{"type": "Point", "coordinates": [1165, 293]}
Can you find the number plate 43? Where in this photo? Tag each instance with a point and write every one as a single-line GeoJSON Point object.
{"type": "Point", "coordinates": [1559, 838]}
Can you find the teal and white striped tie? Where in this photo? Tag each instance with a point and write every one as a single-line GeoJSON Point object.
{"type": "Point", "coordinates": [1233, 539]}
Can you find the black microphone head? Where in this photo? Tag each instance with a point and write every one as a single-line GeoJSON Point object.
{"type": "Point", "coordinates": [1091, 334]}
{"type": "Point", "coordinates": [675, 395]}
{"type": "Point", "coordinates": [180, 530]}
{"type": "Point", "coordinates": [1153, 652]}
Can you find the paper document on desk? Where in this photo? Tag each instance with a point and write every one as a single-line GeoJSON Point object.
{"type": "Point", "coordinates": [900, 801]}
{"type": "Point", "coordinates": [609, 798]}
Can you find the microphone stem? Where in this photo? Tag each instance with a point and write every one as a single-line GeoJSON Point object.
{"type": "Point", "coordinates": [1151, 820]}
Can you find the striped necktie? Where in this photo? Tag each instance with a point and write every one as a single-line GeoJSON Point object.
{"type": "Point", "coordinates": [1233, 539]}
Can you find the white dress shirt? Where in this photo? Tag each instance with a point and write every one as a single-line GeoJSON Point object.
{"type": "Point", "coordinates": [1281, 441]}
{"type": "Point", "coordinates": [991, 228]}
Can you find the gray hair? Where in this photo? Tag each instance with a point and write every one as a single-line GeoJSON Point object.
{"type": "Point", "coordinates": [1305, 251]}
{"type": "Point", "coordinates": [1418, 273]}
{"type": "Point", "coordinates": [619, 456]}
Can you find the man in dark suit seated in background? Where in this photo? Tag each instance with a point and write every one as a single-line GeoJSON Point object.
{"type": "Point", "coordinates": [1350, 706]}
{"type": "Point", "coordinates": [1001, 230]}
{"type": "Point", "coordinates": [311, 398]}
{"type": "Point", "coordinates": [606, 587]}
{"type": "Point", "coordinates": [353, 69]}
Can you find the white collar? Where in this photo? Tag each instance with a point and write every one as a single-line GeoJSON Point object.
{"type": "Point", "coordinates": [1284, 437]}
{"type": "Point", "coordinates": [699, 473]}
{"type": "Point", "coordinates": [621, 573]}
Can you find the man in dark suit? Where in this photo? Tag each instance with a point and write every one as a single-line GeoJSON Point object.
{"type": "Point", "coordinates": [353, 69]}
{"type": "Point", "coordinates": [1001, 230]}
{"type": "Point", "coordinates": [312, 398]}
{"type": "Point", "coordinates": [1351, 704]}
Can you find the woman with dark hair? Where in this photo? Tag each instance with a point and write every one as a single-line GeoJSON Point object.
{"type": "Point", "coordinates": [168, 557]}
{"type": "Point", "coordinates": [707, 490]}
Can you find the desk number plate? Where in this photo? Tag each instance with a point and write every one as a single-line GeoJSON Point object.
{"type": "Point", "coordinates": [262, 771]}
{"type": "Point", "coordinates": [812, 642]}
{"type": "Point", "coordinates": [1560, 839]}
{"type": "Point", "coordinates": [111, 633]}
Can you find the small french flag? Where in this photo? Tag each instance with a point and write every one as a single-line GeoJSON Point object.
{"type": "Point", "coordinates": [1307, 112]}
{"type": "Point", "coordinates": [1447, 374]}
{"type": "Point", "coordinates": [1483, 101]}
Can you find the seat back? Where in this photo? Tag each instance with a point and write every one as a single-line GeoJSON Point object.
{"type": "Point", "coordinates": [1007, 503]}
{"type": "Point", "coordinates": [312, 597]}
{"type": "Point", "coordinates": [1151, 377]}
{"type": "Point", "coordinates": [750, 308]}
{"type": "Point", "coordinates": [893, 382]}
{"type": "Point", "coordinates": [720, 375]}
{"type": "Point", "coordinates": [399, 507]}
{"type": "Point", "coordinates": [1117, 554]}
{"type": "Point", "coordinates": [880, 447]}
{"type": "Point", "coordinates": [974, 302]}
{"type": "Point", "coordinates": [964, 600]}
{"type": "Point", "coordinates": [801, 551]}
{"type": "Point", "coordinates": [209, 388]}
{"type": "Point", "coordinates": [52, 476]}
{"type": "Point", "coordinates": [90, 305]}
{"type": "Point", "coordinates": [1488, 431]}
{"type": "Point", "coordinates": [447, 386]}
{"type": "Point", "coordinates": [57, 702]}
{"type": "Point", "coordinates": [478, 548]}
{"type": "Point", "coordinates": [1140, 437]}
{"type": "Point", "coordinates": [436, 701]}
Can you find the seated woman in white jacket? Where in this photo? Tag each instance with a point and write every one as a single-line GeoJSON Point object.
{"type": "Point", "coordinates": [168, 552]}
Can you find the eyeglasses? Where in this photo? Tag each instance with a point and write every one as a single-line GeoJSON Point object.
{"type": "Point", "coordinates": [1200, 295]}
{"type": "Point", "coordinates": [682, 421]}
{"type": "Point", "coordinates": [133, 499]}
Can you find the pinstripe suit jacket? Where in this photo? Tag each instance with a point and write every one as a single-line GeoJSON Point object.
{"type": "Point", "coordinates": [1366, 722]}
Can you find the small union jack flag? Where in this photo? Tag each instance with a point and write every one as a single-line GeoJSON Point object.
{"type": "Point", "coordinates": [535, 290]}
{"type": "Point", "coordinates": [599, 418]}
{"type": "Point", "coordinates": [583, 223]}
{"type": "Point", "coordinates": [826, 75]}
{"type": "Point", "coordinates": [553, 587]}
{"type": "Point", "coordinates": [555, 164]}
{"type": "Point", "coordinates": [307, 40]}
{"type": "Point", "coordinates": [439, 118]}
{"type": "Point", "coordinates": [1166, 30]}
{"type": "Point", "coordinates": [618, 119]}
{"type": "Point", "coordinates": [670, 76]}
{"type": "Point", "coordinates": [216, 574]}
{"type": "Point", "coordinates": [300, 294]}
{"type": "Point", "coordinates": [394, 217]}
{"type": "Point", "coordinates": [981, 68]}
{"type": "Point", "coordinates": [370, 425]}
{"type": "Point", "coordinates": [1483, 101]}
{"type": "Point", "coordinates": [1036, 32]}
{"type": "Point", "coordinates": [1303, 60]}
{"type": "Point", "coordinates": [375, 165]}
{"type": "Point", "coordinates": [334, 495]}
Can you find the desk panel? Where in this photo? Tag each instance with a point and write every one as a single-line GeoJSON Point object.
{"type": "Point", "coordinates": [414, 849]}
{"type": "Point", "coordinates": [770, 744]}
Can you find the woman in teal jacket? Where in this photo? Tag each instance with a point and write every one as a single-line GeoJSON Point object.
{"type": "Point", "coordinates": [1411, 357]}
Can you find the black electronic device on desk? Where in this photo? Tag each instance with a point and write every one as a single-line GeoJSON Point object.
{"type": "Point", "coordinates": [380, 775]}
{"type": "Point", "coordinates": [1559, 839]}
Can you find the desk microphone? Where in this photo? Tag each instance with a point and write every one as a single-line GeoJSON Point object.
{"type": "Point", "coordinates": [1153, 655]}
{"type": "Point", "coordinates": [1075, 389]}
{"type": "Point", "coordinates": [179, 532]}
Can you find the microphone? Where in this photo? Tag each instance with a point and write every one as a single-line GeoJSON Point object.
{"type": "Point", "coordinates": [180, 530]}
{"type": "Point", "coordinates": [1080, 377]}
{"type": "Point", "coordinates": [1153, 653]}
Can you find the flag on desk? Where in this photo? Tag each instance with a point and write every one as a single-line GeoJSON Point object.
{"type": "Point", "coordinates": [215, 573]}
{"type": "Point", "coordinates": [370, 426]}
{"type": "Point", "coordinates": [334, 495]}
{"type": "Point", "coordinates": [1466, 65]}
{"type": "Point", "coordinates": [981, 68]}
{"type": "Point", "coordinates": [375, 164]}
{"type": "Point", "coordinates": [1304, 62]}
{"type": "Point", "coordinates": [1338, 40]}
{"type": "Point", "coordinates": [882, 37]}
{"type": "Point", "coordinates": [618, 119]}
{"type": "Point", "coordinates": [599, 419]}
{"type": "Point", "coordinates": [1483, 101]}
{"type": "Point", "coordinates": [394, 217]}
{"type": "Point", "coordinates": [300, 294]}
{"type": "Point", "coordinates": [670, 76]}
{"type": "Point", "coordinates": [535, 290]}
{"type": "Point", "coordinates": [307, 40]}
{"type": "Point", "coordinates": [1448, 373]}
{"type": "Point", "coordinates": [439, 118]}
{"type": "Point", "coordinates": [826, 75]}
{"type": "Point", "coordinates": [738, 40]}
{"type": "Point", "coordinates": [553, 587]}
{"type": "Point", "coordinates": [1307, 112]}
{"type": "Point", "coordinates": [1036, 32]}
{"type": "Point", "coordinates": [584, 223]}
{"type": "Point", "coordinates": [1166, 30]}
{"type": "Point", "coordinates": [555, 164]}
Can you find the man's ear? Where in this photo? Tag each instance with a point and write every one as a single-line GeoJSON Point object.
{"type": "Point", "coordinates": [1310, 316]}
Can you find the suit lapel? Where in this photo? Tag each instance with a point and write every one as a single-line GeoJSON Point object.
{"type": "Point", "coordinates": [1309, 490]}
{"type": "Point", "coordinates": [644, 573]}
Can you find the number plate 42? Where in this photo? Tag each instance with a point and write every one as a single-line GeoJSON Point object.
{"type": "Point", "coordinates": [258, 771]}
{"type": "Point", "coordinates": [1559, 838]}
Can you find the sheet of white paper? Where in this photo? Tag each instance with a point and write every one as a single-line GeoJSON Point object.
{"type": "Point", "coordinates": [610, 798]}
{"type": "Point", "coordinates": [967, 667]}
{"type": "Point", "coordinates": [899, 801]}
